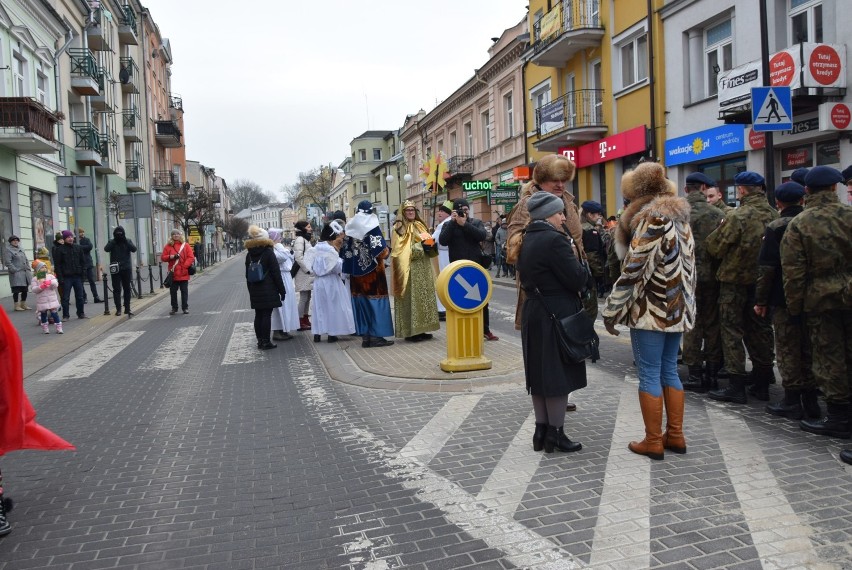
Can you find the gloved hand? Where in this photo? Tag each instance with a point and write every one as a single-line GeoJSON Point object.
{"type": "Point", "coordinates": [43, 285]}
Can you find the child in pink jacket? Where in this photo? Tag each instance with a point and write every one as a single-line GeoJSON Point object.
{"type": "Point", "coordinates": [44, 285]}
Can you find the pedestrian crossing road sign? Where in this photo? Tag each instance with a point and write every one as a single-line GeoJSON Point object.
{"type": "Point", "coordinates": [771, 109]}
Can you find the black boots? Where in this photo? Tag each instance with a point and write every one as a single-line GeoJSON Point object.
{"type": "Point", "coordinates": [810, 403]}
{"type": "Point", "coordinates": [5, 508]}
{"type": "Point", "coordinates": [761, 377]}
{"type": "Point", "coordinates": [556, 439]}
{"type": "Point", "coordinates": [790, 406]}
{"type": "Point", "coordinates": [846, 456]}
{"type": "Point", "coordinates": [836, 423]}
{"type": "Point", "coordinates": [266, 344]}
{"type": "Point", "coordinates": [538, 436]}
{"type": "Point", "coordinates": [374, 341]}
{"type": "Point", "coordinates": [696, 382]}
{"type": "Point", "coordinates": [735, 392]}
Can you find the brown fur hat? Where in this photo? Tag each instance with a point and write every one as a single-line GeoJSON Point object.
{"type": "Point", "coordinates": [647, 179]}
{"type": "Point", "coordinates": [553, 167]}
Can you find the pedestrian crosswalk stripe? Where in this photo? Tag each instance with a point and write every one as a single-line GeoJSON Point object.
{"type": "Point", "coordinates": [623, 528]}
{"type": "Point", "coordinates": [440, 428]}
{"type": "Point", "coordinates": [781, 539]}
{"type": "Point", "coordinates": [175, 349]}
{"type": "Point", "coordinates": [242, 346]}
{"type": "Point", "coordinates": [86, 363]}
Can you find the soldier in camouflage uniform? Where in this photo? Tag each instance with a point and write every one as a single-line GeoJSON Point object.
{"type": "Point", "coordinates": [703, 220]}
{"type": "Point", "coordinates": [590, 213]}
{"type": "Point", "coordinates": [816, 263]}
{"type": "Point", "coordinates": [715, 198]}
{"type": "Point", "coordinates": [736, 244]}
{"type": "Point", "coordinates": [792, 346]}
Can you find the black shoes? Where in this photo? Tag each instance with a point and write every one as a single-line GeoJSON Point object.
{"type": "Point", "coordinates": [375, 341]}
{"type": "Point", "coordinates": [5, 508]}
{"type": "Point", "coordinates": [790, 406]}
{"type": "Point", "coordinates": [836, 423]}
{"type": "Point", "coordinates": [317, 338]}
{"type": "Point", "coordinates": [419, 337]}
{"type": "Point", "coordinates": [186, 311]}
{"type": "Point", "coordinates": [696, 382]}
{"type": "Point", "coordinates": [82, 316]}
{"type": "Point", "coordinates": [128, 312]}
{"type": "Point", "coordinates": [118, 312]}
{"type": "Point", "coordinates": [555, 439]}
{"type": "Point", "coordinates": [281, 335]}
{"type": "Point", "coordinates": [735, 392]}
{"type": "Point", "coordinates": [846, 456]}
{"type": "Point", "coordinates": [331, 338]}
{"type": "Point", "coordinates": [173, 312]}
{"type": "Point", "coordinates": [266, 345]}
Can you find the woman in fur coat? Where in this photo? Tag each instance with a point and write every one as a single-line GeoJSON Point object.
{"type": "Point", "coordinates": [654, 297]}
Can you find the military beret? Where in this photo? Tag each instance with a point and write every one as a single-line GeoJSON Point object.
{"type": "Point", "coordinates": [700, 178]}
{"type": "Point", "coordinates": [592, 207]}
{"type": "Point", "coordinates": [822, 176]}
{"type": "Point", "coordinates": [749, 178]}
{"type": "Point", "coordinates": [798, 175]}
{"type": "Point", "coordinates": [790, 192]}
{"type": "Point", "coordinates": [847, 174]}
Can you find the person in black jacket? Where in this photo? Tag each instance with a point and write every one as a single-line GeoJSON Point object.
{"type": "Point", "coordinates": [267, 293]}
{"type": "Point", "coordinates": [462, 234]}
{"type": "Point", "coordinates": [89, 275]}
{"type": "Point", "coordinates": [553, 280]}
{"type": "Point", "coordinates": [69, 265]}
{"type": "Point", "coordinates": [119, 249]}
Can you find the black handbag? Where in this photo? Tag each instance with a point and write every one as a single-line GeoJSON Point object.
{"type": "Point", "coordinates": [168, 279]}
{"type": "Point", "coordinates": [575, 335]}
{"type": "Point", "coordinates": [191, 269]}
{"type": "Point", "coordinates": [295, 269]}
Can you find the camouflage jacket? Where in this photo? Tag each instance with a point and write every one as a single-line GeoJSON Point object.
{"type": "Point", "coordinates": [770, 290]}
{"type": "Point", "coordinates": [593, 244]}
{"type": "Point", "coordinates": [736, 243]}
{"type": "Point", "coordinates": [724, 208]}
{"type": "Point", "coordinates": [816, 256]}
{"type": "Point", "coordinates": [703, 219]}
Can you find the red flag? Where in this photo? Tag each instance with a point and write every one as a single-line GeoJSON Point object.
{"type": "Point", "coordinates": [18, 428]}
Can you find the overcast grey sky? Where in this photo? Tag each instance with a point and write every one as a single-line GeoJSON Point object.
{"type": "Point", "coordinates": [274, 88]}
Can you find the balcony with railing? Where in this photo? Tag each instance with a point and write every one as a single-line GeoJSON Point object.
{"type": "Point", "coordinates": [168, 134]}
{"type": "Point", "coordinates": [27, 126]}
{"type": "Point", "coordinates": [127, 26]}
{"type": "Point", "coordinates": [131, 124]}
{"type": "Point", "coordinates": [84, 72]}
{"type": "Point", "coordinates": [460, 166]}
{"type": "Point", "coordinates": [87, 143]}
{"type": "Point", "coordinates": [109, 154]}
{"type": "Point", "coordinates": [99, 102]}
{"type": "Point", "coordinates": [165, 181]}
{"type": "Point", "coordinates": [133, 171]}
{"type": "Point", "coordinates": [129, 75]}
{"type": "Point", "coordinates": [96, 35]}
{"type": "Point", "coordinates": [575, 117]}
{"type": "Point", "coordinates": [569, 27]}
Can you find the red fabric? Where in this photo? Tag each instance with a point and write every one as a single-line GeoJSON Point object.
{"type": "Point", "coordinates": [18, 428]}
{"type": "Point", "coordinates": [181, 266]}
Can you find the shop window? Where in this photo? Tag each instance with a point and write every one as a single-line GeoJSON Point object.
{"type": "Point", "coordinates": [805, 21]}
{"type": "Point", "coordinates": [828, 153]}
{"type": "Point", "coordinates": [797, 157]}
{"type": "Point", "coordinates": [718, 54]}
{"type": "Point", "coordinates": [42, 218]}
{"type": "Point", "coordinates": [540, 96]}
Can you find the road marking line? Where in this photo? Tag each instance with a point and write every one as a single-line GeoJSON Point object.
{"type": "Point", "coordinates": [175, 350]}
{"type": "Point", "coordinates": [781, 539]}
{"type": "Point", "coordinates": [242, 346]}
{"type": "Point", "coordinates": [508, 482]}
{"type": "Point", "coordinates": [432, 437]}
{"type": "Point", "coordinates": [623, 529]}
{"type": "Point", "coordinates": [89, 361]}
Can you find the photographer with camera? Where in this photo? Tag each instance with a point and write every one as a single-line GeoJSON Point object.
{"type": "Point", "coordinates": [120, 268]}
{"type": "Point", "coordinates": [462, 234]}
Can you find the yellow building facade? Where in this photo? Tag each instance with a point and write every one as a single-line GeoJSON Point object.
{"type": "Point", "coordinates": [594, 80]}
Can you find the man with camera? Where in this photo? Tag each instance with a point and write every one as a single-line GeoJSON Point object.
{"type": "Point", "coordinates": [120, 268]}
{"type": "Point", "coordinates": [462, 234]}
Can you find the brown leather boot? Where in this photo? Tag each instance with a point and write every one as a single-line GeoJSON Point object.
{"type": "Point", "coordinates": [673, 439]}
{"type": "Point", "coordinates": [652, 415]}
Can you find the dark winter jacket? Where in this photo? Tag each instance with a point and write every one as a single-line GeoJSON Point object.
{"type": "Point", "coordinates": [86, 244]}
{"type": "Point", "coordinates": [119, 249]}
{"type": "Point", "coordinates": [463, 241]}
{"type": "Point", "coordinates": [770, 285]}
{"type": "Point", "coordinates": [69, 261]}
{"type": "Point", "coordinates": [268, 293]}
{"type": "Point", "coordinates": [547, 262]}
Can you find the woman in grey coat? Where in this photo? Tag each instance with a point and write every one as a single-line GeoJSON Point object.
{"type": "Point", "coordinates": [16, 262]}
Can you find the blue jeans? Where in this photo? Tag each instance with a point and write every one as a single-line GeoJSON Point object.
{"type": "Point", "coordinates": [655, 353]}
{"type": "Point", "coordinates": [72, 282]}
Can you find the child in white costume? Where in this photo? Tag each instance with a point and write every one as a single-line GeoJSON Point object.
{"type": "Point", "coordinates": [333, 314]}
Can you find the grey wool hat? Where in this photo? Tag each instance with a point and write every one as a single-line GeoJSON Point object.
{"type": "Point", "coordinates": [542, 205]}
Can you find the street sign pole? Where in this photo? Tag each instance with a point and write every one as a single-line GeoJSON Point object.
{"type": "Point", "coordinates": [464, 288]}
{"type": "Point", "coordinates": [769, 151]}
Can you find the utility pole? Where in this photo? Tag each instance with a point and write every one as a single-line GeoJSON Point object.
{"type": "Point", "coordinates": [769, 151]}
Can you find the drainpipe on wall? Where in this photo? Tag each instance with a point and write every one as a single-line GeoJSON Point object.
{"type": "Point", "coordinates": [652, 80]}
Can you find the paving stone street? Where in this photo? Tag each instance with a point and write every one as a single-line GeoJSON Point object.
{"type": "Point", "coordinates": [196, 450]}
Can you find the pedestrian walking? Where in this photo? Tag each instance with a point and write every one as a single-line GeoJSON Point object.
{"type": "Point", "coordinates": [364, 251]}
{"type": "Point", "coordinates": [180, 258]}
{"type": "Point", "coordinates": [500, 248]}
{"type": "Point", "coordinates": [70, 264]}
{"type": "Point", "coordinates": [286, 317]}
{"type": "Point", "coordinates": [792, 346]}
{"type": "Point", "coordinates": [736, 245]}
{"type": "Point", "coordinates": [443, 214]}
{"type": "Point", "coordinates": [44, 286]}
{"type": "Point", "coordinates": [304, 279]}
{"type": "Point", "coordinates": [265, 285]}
{"type": "Point", "coordinates": [332, 300]}
{"type": "Point", "coordinates": [120, 268]}
{"type": "Point", "coordinates": [702, 346]}
{"type": "Point", "coordinates": [816, 265]}
{"type": "Point", "coordinates": [655, 298]}
{"type": "Point", "coordinates": [16, 263]}
{"type": "Point", "coordinates": [415, 305]}
{"type": "Point", "coordinates": [553, 279]}
{"type": "Point", "coordinates": [89, 274]}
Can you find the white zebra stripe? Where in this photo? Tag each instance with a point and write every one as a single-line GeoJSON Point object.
{"type": "Point", "coordinates": [86, 363]}
{"type": "Point", "coordinates": [242, 346]}
{"type": "Point", "coordinates": [175, 349]}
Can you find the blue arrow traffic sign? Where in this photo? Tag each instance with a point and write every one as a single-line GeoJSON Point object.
{"type": "Point", "coordinates": [771, 109]}
{"type": "Point", "coordinates": [467, 288]}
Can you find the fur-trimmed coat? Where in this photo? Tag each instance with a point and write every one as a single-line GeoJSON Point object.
{"type": "Point", "coordinates": [656, 290]}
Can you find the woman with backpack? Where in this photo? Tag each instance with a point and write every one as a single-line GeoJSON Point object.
{"type": "Point", "coordinates": [265, 285]}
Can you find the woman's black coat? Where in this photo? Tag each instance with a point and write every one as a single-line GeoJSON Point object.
{"type": "Point", "coordinates": [268, 293]}
{"type": "Point", "coordinates": [547, 261]}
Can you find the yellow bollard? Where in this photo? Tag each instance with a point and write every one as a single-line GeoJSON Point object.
{"type": "Point", "coordinates": [464, 288]}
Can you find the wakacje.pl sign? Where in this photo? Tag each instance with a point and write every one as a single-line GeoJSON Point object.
{"type": "Point", "coordinates": [702, 145]}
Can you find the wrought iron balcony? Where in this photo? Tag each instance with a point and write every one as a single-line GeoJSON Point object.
{"type": "Point", "coordinates": [97, 38]}
{"type": "Point", "coordinates": [569, 27]}
{"type": "Point", "coordinates": [27, 126]}
{"type": "Point", "coordinates": [168, 134]}
{"type": "Point", "coordinates": [127, 26]}
{"type": "Point", "coordinates": [99, 102]}
{"type": "Point", "coordinates": [129, 75]}
{"type": "Point", "coordinates": [165, 180]}
{"type": "Point", "coordinates": [131, 124]}
{"type": "Point", "coordinates": [133, 171]}
{"type": "Point", "coordinates": [84, 72]}
{"type": "Point", "coordinates": [88, 144]}
{"type": "Point", "coordinates": [109, 154]}
{"type": "Point", "coordinates": [577, 116]}
{"type": "Point", "coordinates": [459, 165]}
